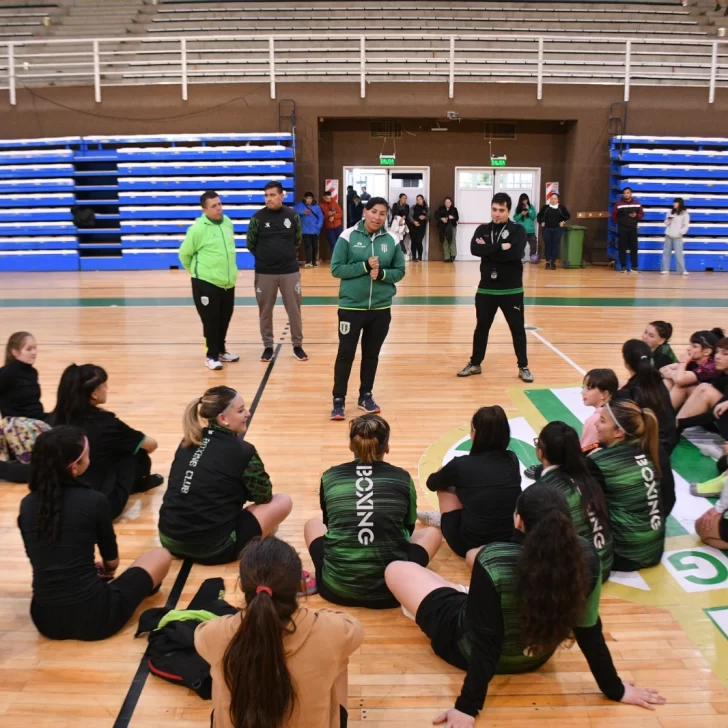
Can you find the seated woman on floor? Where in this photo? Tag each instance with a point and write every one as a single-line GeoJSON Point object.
{"type": "Point", "coordinates": [478, 491]}
{"type": "Point", "coordinates": [214, 474]}
{"type": "Point", "coordinates": [120, 462]}
{"type": "Point", "coordinates": [369, 510]}
{"type": "Point", "coordinates": [526, 597]}
{"type": "Point", "coordinates": [62, 520]}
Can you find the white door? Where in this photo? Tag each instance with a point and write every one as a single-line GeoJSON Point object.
{"type": "Point", "coordinates": [375, 179]}
{"type": "Point", "coordinates": [516, 182]}
{"type": "Point", "coordinates": [473, 193]}
{"type": "Point", "coordinates": [411, 181]}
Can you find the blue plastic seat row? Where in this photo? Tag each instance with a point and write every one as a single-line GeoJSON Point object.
{"type": "Point", "coordinates": [229, 197]}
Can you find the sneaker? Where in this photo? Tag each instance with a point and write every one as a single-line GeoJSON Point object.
{"type": "Point", "coordinates": [530, 472]}
{"type": "Point", "coordinates": [429, 518]}
{"type": "Point", "coordinates": [470, 369]}
{"type": "Point", "coordinates": [308, 265]}
{"type": "Point", "coordinates": [213, 364]}
{"type": "Point", "coordinates": [623, 271]}
{"type": "Point", "coordinates": [299, 353]}
{"type": "Point", "coordinates": [634, 271]}
{"type": "Point", "coordinates": [267, 354]}
{"type": "Point", "coordinates": [315, 265]}
{"type": "Point", "coordinates": [367, 404]}
{"type": "Point", "coordinates": [151, 481]}
{"type": "Point", "coordinates": [664, 272]}
{"type": "Point", "coordinates": [338, 412]}
{"type": "Point", "coordinates": [525, 374]}
{"type": "Point", "coordinates": [685, 273]}
{"type": "Point", "coordinates": [228, 357]}
{"type": "Point", "coordinates": [308, 585]}
{"type": "Point", "coordinates": [709, 489]}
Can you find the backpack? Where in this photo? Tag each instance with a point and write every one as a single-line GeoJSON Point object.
{"type": "Point", "coordinates": [171, 653]}
{"type": "Point", "coordinates": [83, 217]}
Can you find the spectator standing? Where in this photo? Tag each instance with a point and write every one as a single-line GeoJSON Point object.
{"type": "Point", "coordinates": [525, 214]}
{"type": "Point", "coordinates": [399, 218]}
{"type": "Point", "coordinates": [333, 219]}
{"type": "Point", "coordinates": [626, 214]}
{"type": "Point", "coordinates": [552, 218]}
{"type": "Point", "coordinates": [274, 236]}
{"type": "Point", "coordinates": [312, 219]}
{"type": "Point", "coordinates": [677, 223]}
{"type": "Point", "coordinates": [364, 196]}
{"type": "Point", "coordinates": [447, 220]}
{"type": "Point", "coordinates": [418, 227]}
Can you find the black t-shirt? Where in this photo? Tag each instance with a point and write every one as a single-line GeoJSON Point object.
{"type": "Point", "coordinates": [64, 572]}
{"type": "Point", "coordinates": [110, 440]}
{"type": "Point", "coordinates": [488, 485]}
{"type": "Point", "coordinates": [20, 391]}
{"type": "Point", "coordinates": [208, 485]}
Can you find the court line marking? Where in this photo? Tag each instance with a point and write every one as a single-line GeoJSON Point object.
{"type": "Point", "coordinates": [566, 358]}
{"type": "Point", "coordinates": [126, 712]}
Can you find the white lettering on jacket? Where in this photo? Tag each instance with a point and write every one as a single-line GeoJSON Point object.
{"type": "Point", "coordinates": [189, 474]}
{"type": "Point", "coordinates": [653, 497]}
{"type": "Point", "coordinates": [365, 504]}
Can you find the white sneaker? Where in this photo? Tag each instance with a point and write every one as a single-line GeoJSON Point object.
{"type": "Point", "coordinates": [685, 273]}
{"type": "Point", "coordinates": [213, 364]}
{"type": "Point", "coordinates": [664, 272]}
{"type": "Point", "coordinates": [228, 357]}
{"type": "Point", "coordinates": [429, 518]}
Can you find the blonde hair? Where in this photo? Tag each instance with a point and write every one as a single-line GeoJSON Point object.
{"type": "Point", "coordinates": [15, 343]}
{"type": "Point", "coordinates": [369, 436]}
{"type": "Point", "coordinates": [208, 407]}
{"type": "Point", "coordinates": [640, 425]}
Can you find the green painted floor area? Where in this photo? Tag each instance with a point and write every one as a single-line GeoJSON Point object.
{"type": "Point", "coordinates": [399, 301]}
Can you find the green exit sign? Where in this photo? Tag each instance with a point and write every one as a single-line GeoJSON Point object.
{"type": "Point", "coordinates": [498, 161]}
{"type": "Point", "coordinates": [386, 160]}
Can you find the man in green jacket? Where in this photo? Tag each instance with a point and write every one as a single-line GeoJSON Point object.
{"type": "Point", "coordinates": [369, 262]}
{"type": "Point", "coordinates": [208, 254]}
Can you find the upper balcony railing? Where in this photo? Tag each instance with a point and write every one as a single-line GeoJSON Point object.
{"type": "Point", "coordinates": [550, 58]}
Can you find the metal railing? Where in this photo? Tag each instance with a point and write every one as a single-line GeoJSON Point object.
{"type": "Point", "coordinates": [370, 57]}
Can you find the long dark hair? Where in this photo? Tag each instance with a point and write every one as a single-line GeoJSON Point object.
{"type": "Point", "coordinates": [521, 199]}
{"type": "Point", "coordinates": [262, 690]}
{"type": "Point", "coordinates": [708, 339]}
{"type": "Point", "coordinates": [646, 385]}
{"type": "Point", "coordinates": [560, 446]}
{"type": "Point", "coordinates": [491, 430]}
{"type": "Point", "coordinates": [77, 384]}
{"type": "Point", "coordinates": [680, 205]}
{"type": "Point", "coordinates": [664, 330]}
{"type": "Point", "coordinates": [53, 452]}
{"type": "Point", "coordinates": [553, 577]}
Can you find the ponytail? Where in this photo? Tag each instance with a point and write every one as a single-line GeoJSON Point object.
{"type": "Point", "coordinates": [560, 445]}
{"type": "Point", "coordinates": [53, 453]}
{"type": "Point", "coordinates": [553, 577]}
{"type": "Point", "coordinates": [646, 386]}
{"type": "Point", "coordinates": [639, 425]}
{"type": "Point", "coordinates": [208, 407]}
{"type": "Point", "coordinates": [368, 438]}
{"type": "Point", "coordinates": [78, 383]}
{"type": "Point", "coordinates": [262, 690]}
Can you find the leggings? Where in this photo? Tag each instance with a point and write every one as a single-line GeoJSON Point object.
{"type": "Point", "coordinates": [417, 235]}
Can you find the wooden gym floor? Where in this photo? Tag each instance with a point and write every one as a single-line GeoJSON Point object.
{"type": "Point", "coordinates": [142, 327]}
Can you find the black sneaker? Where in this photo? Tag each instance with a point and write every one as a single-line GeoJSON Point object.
{"type": "Point", "coordinates": [338, 412]}
{"type": "Point", "coordinates": [367, 404]}
{"type": "Point", "coordinates": [525, 374]}
{"type": "Point", "coordinates": [267, 354]}
{"type": "Point", "coordinates": [151, 481]}
{"type": "Point", "coordinates": [299, 353]}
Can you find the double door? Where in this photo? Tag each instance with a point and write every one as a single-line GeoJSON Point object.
{"type": "Point", "coordinates": [474, 190]}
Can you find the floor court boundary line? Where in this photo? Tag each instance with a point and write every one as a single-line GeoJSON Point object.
{"type": "Point", "coordinates": [126, 712]}
{"type": "Point", "coordinates": [560, 353]}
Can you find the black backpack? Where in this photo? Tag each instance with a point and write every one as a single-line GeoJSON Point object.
{"type": "Point", "coordinates": [171, 654]}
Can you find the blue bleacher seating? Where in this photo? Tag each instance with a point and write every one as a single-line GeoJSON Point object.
{"type": "Point", "coordinates": [659, 169]}
{"type": "Point", "coordinates": [144, 191]}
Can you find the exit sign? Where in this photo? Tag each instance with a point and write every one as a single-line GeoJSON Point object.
{"type": "Point", "coordinates": [498, 161]}
{"type": "Point", "coordinates": [386, 160]}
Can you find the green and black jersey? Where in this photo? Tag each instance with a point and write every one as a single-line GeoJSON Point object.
{"type": "Point", "coordinates": [370, 512]}
{"type": "Point", "coordinates": [587, 525]}
{"type": "Point", "coordinates": [631, 486]}
{"type": "Point", "coordinates": [490, 632]}
{"type": "Point", "coordinates": [208, 486]}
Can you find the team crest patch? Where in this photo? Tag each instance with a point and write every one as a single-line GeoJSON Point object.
{"type": "Point", "coordinates": [384, 248]}
{"type": "Point", "coordinates": [204, 300]}
{"type": "Point", "coordinates": [505, 234]}
{"type": "Point", "coordinates": [344, 327]}
{"type": "Point", "coordinates": [287, 223]}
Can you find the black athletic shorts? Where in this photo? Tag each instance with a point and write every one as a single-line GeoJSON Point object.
{"type": "Point", "coordinates": [451, 525]}
{"type": "Point", "coordinates": [439, 616]}
{"type": "Point", "coordinates": [247, 528]}
{"type": "Point", "coordinates": [417, 555]}
{"type": "Point", "coordinates": [97, 618]}
{"type": "Point", "coordinates": [723, 528]}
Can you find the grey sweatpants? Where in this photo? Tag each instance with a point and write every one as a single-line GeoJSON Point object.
{"type": "Point", "coordinates": [266, 291]}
